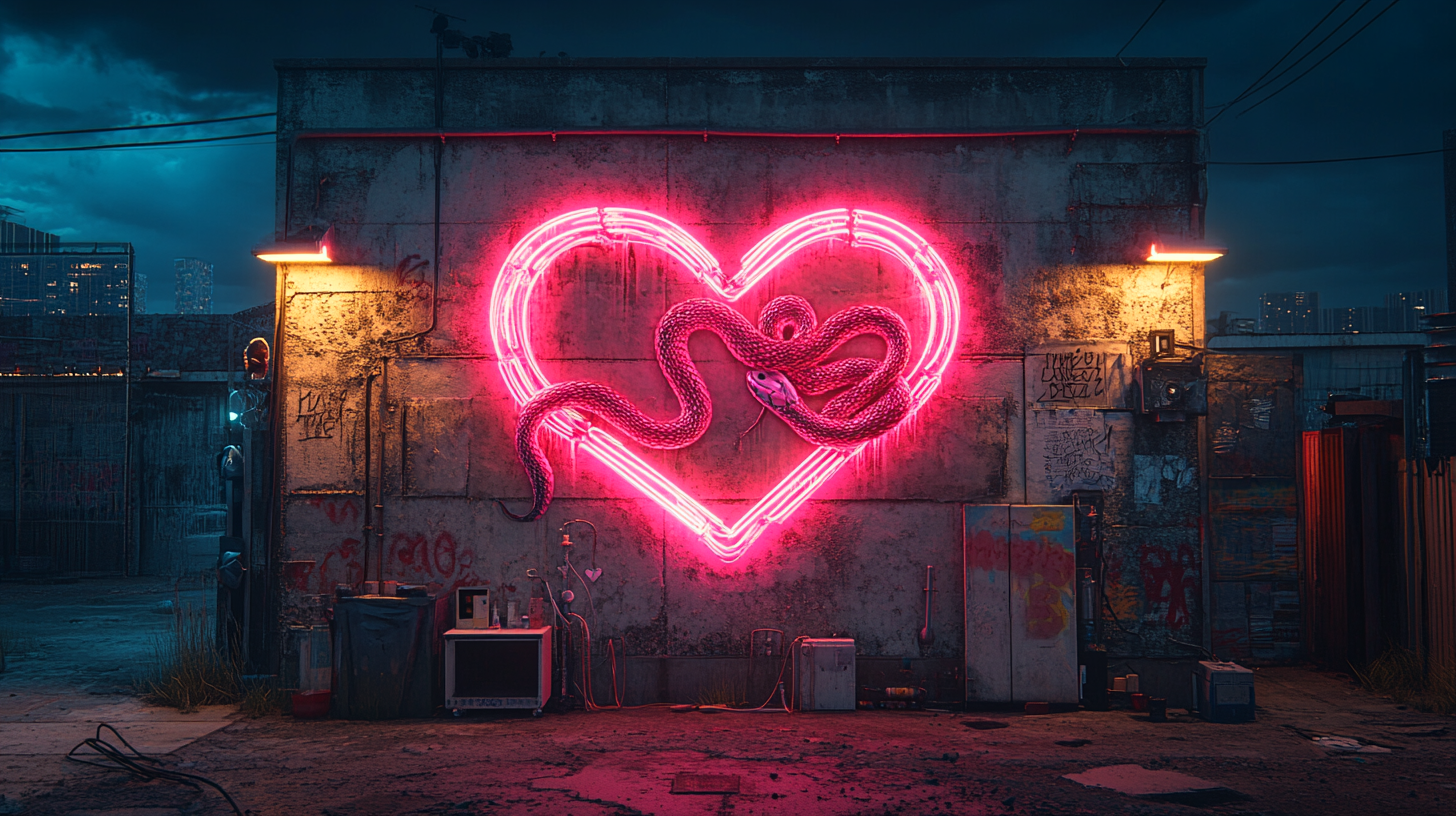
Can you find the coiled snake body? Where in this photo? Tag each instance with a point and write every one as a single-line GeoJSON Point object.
{"type": "Point", "coordinates": [785, 354]}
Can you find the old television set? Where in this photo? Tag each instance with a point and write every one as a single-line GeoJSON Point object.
{"type": "Point", "coordinates": [497, 669]}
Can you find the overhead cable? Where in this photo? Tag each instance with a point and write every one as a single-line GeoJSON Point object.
{"type": "Point", "coordinates": [1254, 85]}
{"type": "Point", "coordinates": [1140, 28]}
{"type": "Point", "coordinates": [1322, 59]}
{"type": "Point", "coordinates": [1332, 161]}
{"type": "Point", "coordinates": [73, 148]}
{"type": "Point", "coordinates": [190, 122]}
{"type": "Point", "coordinates": [1307, 54]}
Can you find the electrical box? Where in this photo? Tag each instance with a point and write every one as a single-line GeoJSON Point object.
{"type": "Point", "coordinates": [1173, 388]}
{"type": "Point", "coordinates": [497, 668]}
{"type": "Point", "coordinates": [824, 674]}
{"type": "Point", "coordinates": [1021, 604]}
{"type": "Point", "coordinates": [1224, 692]}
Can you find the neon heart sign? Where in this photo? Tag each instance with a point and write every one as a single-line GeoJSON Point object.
{"type": "Point", "coordinates": [534, 254]}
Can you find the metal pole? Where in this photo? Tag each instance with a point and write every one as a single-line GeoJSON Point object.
{"type": "Point", "coordinates": [127, 542]}
{"type": "Point", "coordinates": [19, 472]}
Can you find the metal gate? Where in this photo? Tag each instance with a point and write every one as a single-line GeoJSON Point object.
{"type": "Point", "coordinates": [65, 468]}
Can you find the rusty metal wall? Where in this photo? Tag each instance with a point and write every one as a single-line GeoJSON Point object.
{"type": "Point", "coordinates": [1353, 527]}
{"type": "Point", "coordinates": [1436, 485]}
{"type": "Point", "coordinates": [1326, 530]}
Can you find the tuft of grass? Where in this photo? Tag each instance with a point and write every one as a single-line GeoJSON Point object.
{"type": "Point", "coordinates": [1401, 675]}
{"type": "Point", "coordinates": [259, 699]}
{"type": "Point", "coordinates": [724, 690]}
{"type": "Point", "coordinates": [186, 669]}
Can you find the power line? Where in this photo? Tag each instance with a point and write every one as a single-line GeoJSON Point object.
{"type": "Point", "coordinates": [138, 127]}
{"type": "Point", "coordinates": [1312, 49]}
{"type": "Point", "coordinates": [1322, 59]}
{"type": "Point", "coordinates": [1139, 29]}
{"type": "Point", "coordinates": [1252, 85]}
{"type": "Point", "coordinates": [73, 148]}
{"type": "Point", "coordinates": [1332, 161]}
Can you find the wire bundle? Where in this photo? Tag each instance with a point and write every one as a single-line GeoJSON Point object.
{"type": "Point", "coordinates": [139, 765]}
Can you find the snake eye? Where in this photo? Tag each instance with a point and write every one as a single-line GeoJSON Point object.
{"type": "Point", "coordinates": [762, 376]}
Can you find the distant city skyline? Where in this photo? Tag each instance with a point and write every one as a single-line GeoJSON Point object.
{"type": "Point", "coordinates": [42, 275]}
{"type": "Point", "coordinates": [1302, 313]}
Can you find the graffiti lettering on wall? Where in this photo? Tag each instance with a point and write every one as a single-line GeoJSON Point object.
{"type": "Point", "coordinates": [1068, 376]}
{"type": "Point", "coordinates": [440, 560]}
{"type": "Point", "coordinates": [1076, 449]}
{"type": "Point", "coordinates": [337, 511]}
{"type": "Point", "coordinates": [318, 414]}
{"type": "Point", "coordinates": [1169, 580]}
{"type": "Point", "coordinates": [415, 558]}
{"type": "Point", "coordinates": [89, 485]}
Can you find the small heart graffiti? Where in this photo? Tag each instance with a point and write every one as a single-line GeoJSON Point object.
{"type": "Point", "coordinates": [593, 574]}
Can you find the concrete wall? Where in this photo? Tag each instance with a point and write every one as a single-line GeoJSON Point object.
{"type": "Point", "coordinates": [1060, 174]}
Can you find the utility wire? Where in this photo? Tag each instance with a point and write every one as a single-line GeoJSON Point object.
{"type": "Point", "coordinates": [1252, 85]}
{"type": "Point", "coordinates": [1322, 59]}
{"type": "Point", "coordinates": [1140, 28]}
{"type": "Point", "coordinates": [40, 133]}
{"type": "Point", "coordinates": [1332, 161]}
{"type": "Point", "coordinates": [73, 148]}
{"type": "Point", "coordinates": [1312, 49]}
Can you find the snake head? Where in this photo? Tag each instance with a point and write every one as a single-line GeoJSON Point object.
{"type": "Point", "coordinates": [772, 389]}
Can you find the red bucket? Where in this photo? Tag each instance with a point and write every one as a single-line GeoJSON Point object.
{"type": "Point", "coordinates": [311, 705]}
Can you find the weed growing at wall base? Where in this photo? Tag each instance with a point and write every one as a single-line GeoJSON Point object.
{"type": "Point", "coordinates": [1401, 675]}
{"type": "Point", "coordinates": [186, 669]}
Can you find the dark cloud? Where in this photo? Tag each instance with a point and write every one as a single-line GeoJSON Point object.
{"type": "Point", "coordinates": [1351, 231]}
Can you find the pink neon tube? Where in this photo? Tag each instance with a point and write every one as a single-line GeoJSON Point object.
{"type": "Point", "coordinates": [534, 254]}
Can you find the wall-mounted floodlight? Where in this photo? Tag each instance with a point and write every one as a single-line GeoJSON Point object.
{"type": "Point", "coordinates": [298, 251]}
{"type": "Point", "coordinates": [1189, 253]}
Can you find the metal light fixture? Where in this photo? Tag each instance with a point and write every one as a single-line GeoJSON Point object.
{"type": "Point", "coordinates": [1184, 253]}
{"type": "Point", "coordinates": [298, 251]}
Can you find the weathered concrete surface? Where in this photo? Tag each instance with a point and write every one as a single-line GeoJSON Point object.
{"type": "Point", "coordinates": [1042, 232]}
{"type": "Point", "coordinates": [851, 763]}
{"type": "Point", "coordinates": [76, 649]}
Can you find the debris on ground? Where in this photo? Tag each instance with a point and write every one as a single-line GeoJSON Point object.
{"type": "Point", "coordinates": [1164, 786]}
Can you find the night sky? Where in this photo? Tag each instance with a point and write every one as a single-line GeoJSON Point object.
{"type": "Point", "coordinates": [1352, 231]}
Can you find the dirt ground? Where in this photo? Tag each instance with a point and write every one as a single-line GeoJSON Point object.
{"type": "Point", "coordinates": [867, 762]}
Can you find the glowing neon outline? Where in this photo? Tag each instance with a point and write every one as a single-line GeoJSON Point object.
{"type": "Point", "coordinates": [534, 254]}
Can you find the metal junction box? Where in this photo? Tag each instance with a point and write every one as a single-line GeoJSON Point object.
{"type": "Point", "coordinates": [1224, 691]}
{"type": "Point", "coordinates": [824, 674]}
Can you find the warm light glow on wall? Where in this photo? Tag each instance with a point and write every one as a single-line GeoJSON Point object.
{"type": "Point", "coordinates": [321, 255]}
{"type": "Point", "coordinates": [533, 256]}
{"type": "Point", "coordinates": [298, 251]}
{"type": "Point", "coordinates": [1163, 253]}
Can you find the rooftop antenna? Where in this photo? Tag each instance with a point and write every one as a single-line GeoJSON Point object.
{"type": "Point", "coordinates": [495, 46]}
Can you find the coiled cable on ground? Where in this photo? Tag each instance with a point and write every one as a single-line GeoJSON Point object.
{"type": "Point", "coordinates": [139, 765]}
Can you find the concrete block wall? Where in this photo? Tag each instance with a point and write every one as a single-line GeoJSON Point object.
{"type": "Point", "coordinates": [1039, 182]}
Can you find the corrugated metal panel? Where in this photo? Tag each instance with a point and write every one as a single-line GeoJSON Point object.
{"type": "Point", "coordinates": [1439, 501]}
{"type": "Point", "coordinates": [1325, 526]}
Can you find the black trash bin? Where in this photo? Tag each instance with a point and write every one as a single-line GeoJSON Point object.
{"type": "Point", "coordinates": [387, 657]}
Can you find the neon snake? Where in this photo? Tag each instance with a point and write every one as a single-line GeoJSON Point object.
{"type": "Point", "coordinates": [786, 356]}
